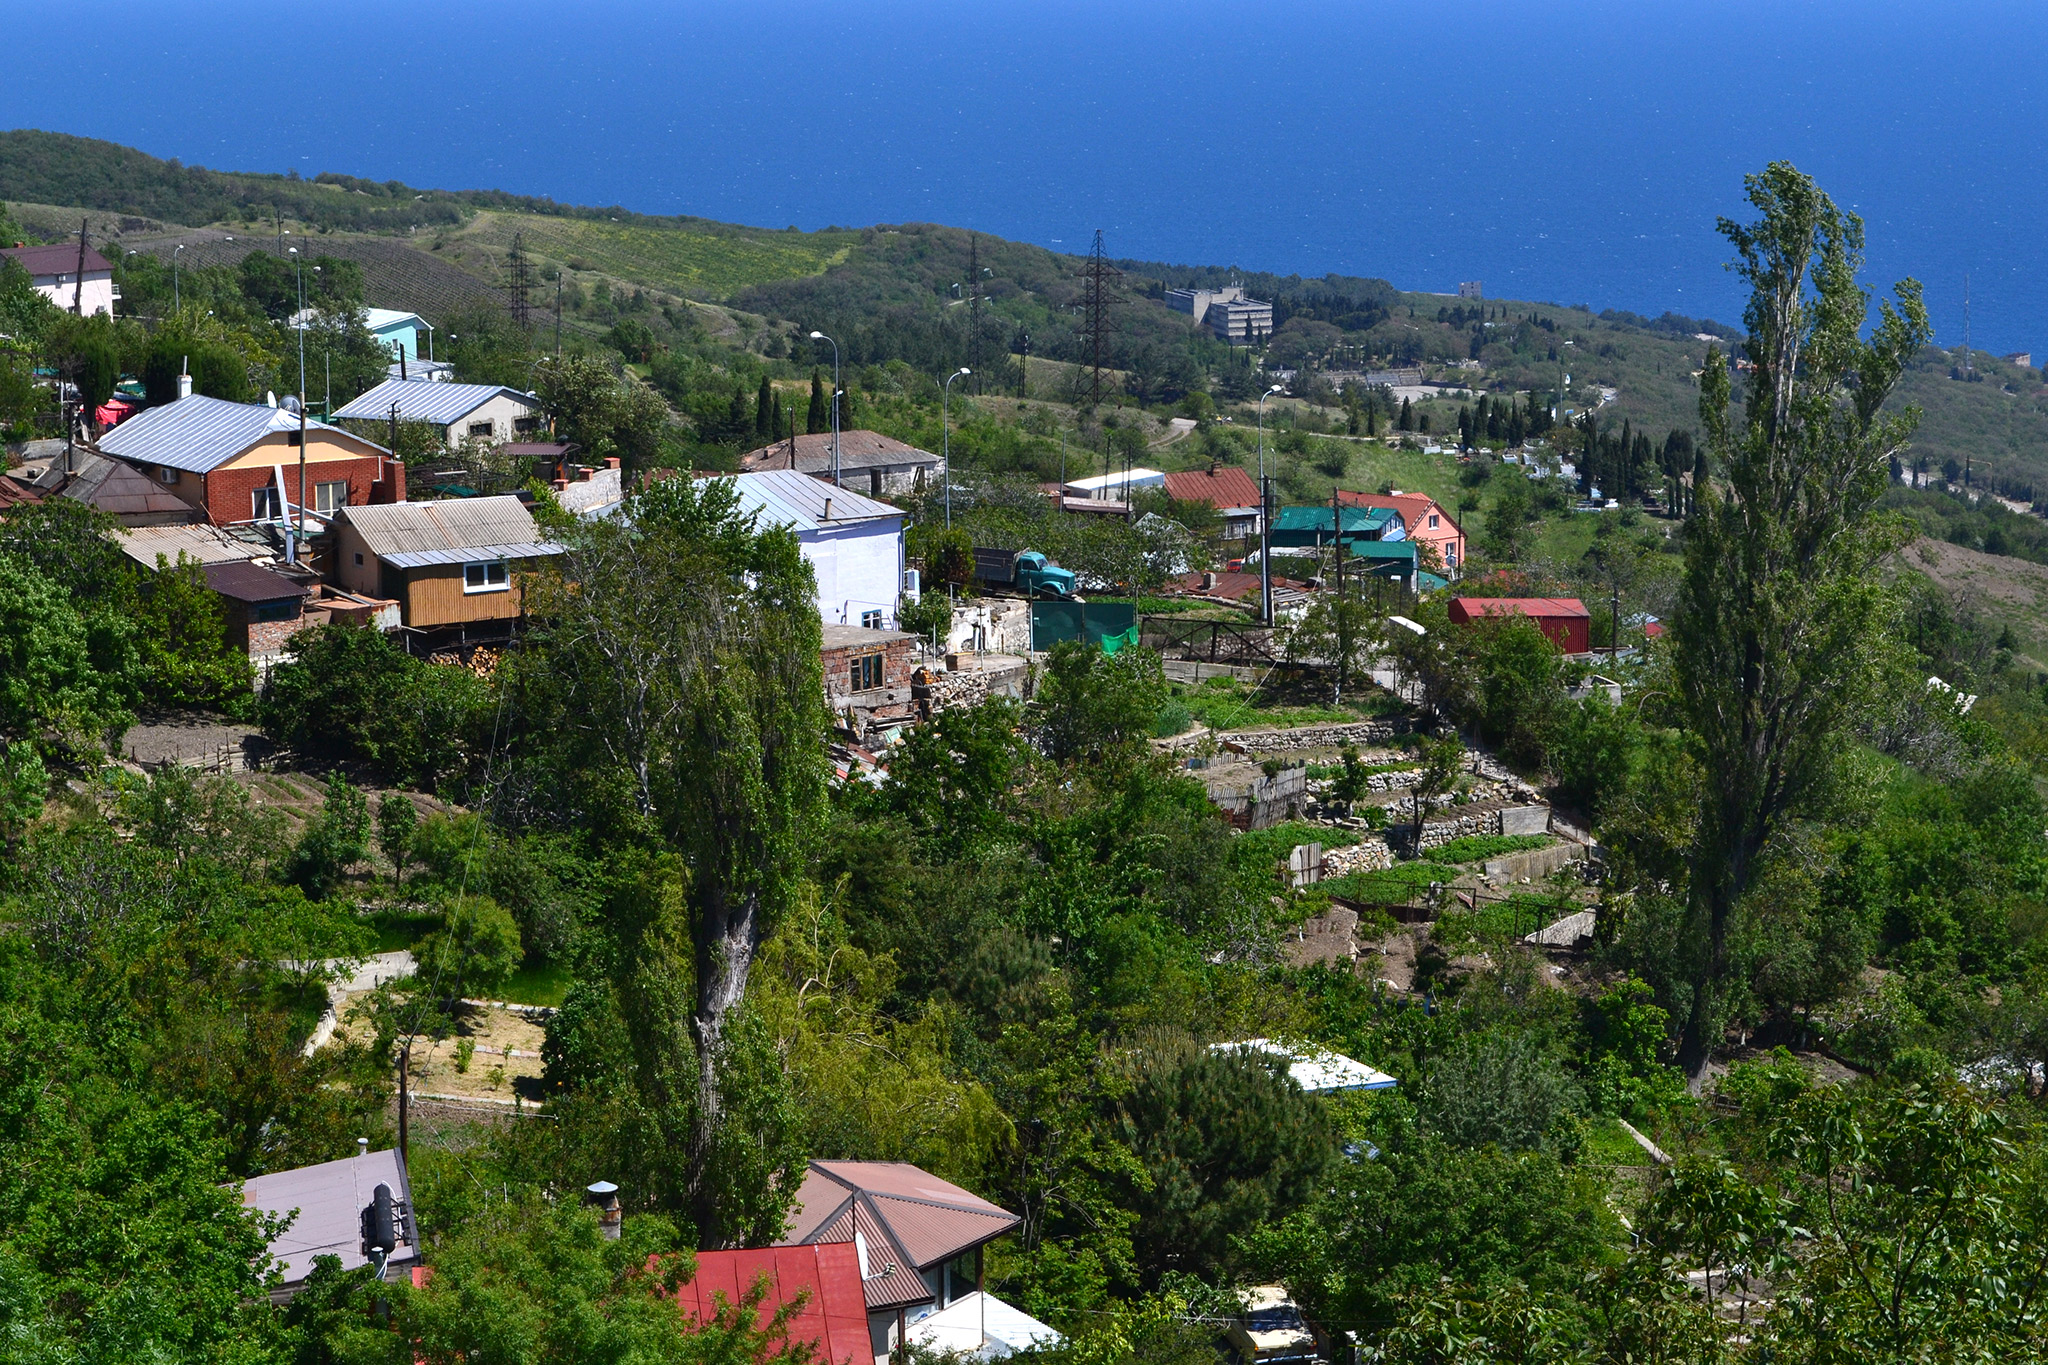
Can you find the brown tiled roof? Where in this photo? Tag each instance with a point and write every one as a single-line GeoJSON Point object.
{"type": "Point", "coordinates": [1224, 486]}
{"type": "Point", "coordinates": [909, 1218]}
{"type": "Point", "coordinates": [1410, 507]}
{"type": "Point", "coordinates": [56, 260]}
{"type": "Point", "coordinates": [857, 450]}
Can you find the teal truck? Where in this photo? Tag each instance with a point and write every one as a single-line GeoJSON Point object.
{"type": "Point", "coordinates": [1022, 571]}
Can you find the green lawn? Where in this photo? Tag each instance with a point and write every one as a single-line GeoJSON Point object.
{"type": "Point", "coordinates": [1607, 1143]}
{"type": "Point", "coordinates": [544, 984]}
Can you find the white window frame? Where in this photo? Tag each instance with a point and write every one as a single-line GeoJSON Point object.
{"type": "Point", "coordinates": [266, 504]}
{"type": "Point", "coordinates": [484, 567]}
{"type": "Point", "coordinates": [321, 492]}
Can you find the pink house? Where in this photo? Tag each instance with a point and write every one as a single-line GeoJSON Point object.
{"type": "Point", "coordinates": [1427, 522]}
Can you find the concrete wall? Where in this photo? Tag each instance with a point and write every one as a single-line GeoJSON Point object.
{"type": "Point", "coordinates": [503, 412]}
{"type": "Point", "coordinates": [98, 297]}
{"type": "Point", "coordinates": [859, 569]}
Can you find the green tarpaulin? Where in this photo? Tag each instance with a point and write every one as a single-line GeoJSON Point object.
{"type": "Point", "coordinates": [1112, 625]}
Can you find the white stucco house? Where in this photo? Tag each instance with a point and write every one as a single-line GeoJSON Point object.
{"type": "Point", "coordinates": [56, 276]}
{"type": "Point", "coordinates": [465, 412]}
{"type": "Point", "coordinates": [854, 543]}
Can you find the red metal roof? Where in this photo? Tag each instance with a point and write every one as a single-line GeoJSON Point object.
{"type": "Point", "coordinates": [1223, 486]}
{"type": "Point", "coordinates": [1537, 607]}
{"type": "Point", "coordinates": [833, 1316]}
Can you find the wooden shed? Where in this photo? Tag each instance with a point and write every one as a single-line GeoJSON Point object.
{"type": "Point", "coordinates": [450, 565]}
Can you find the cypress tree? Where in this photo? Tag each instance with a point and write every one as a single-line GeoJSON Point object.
{"type": "Point", "coordinates": [819, 418]}
{"type": "Point", "coordinates": [764, 410]}
{"type": "Point", "coordinates": [1407, 415]}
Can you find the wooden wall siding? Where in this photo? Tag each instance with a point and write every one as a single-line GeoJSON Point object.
{"type": "Point", "coordinates": [434, 597]}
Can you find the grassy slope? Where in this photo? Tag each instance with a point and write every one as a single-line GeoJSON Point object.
{"type": "Point", "coordinates": [691, 262]}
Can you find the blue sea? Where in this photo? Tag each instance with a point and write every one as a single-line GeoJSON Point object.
{"type": "Point", "coordinates": [1577, 153]}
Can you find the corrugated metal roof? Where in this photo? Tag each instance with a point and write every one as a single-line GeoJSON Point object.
{"type": "Point", "coordinates": [1520, 606]}
{"type": "Point", "coordinates": [207, 544]}
{"type": "Point", "coordinates": [246, 582]}
{"type": "Point", "coordinates": [907, 1216]}
{"type": "Point", "coordinates": [424, 400]}
{"type": "Point", "coordinates": [525, 549]}
{"type": "Point", "coordinates": [785, 497]}
{"type": "Point", "coordinates": [200, 434]}
{"type": "Point", "coordinates": [1224, 486]}
{"type": "Point", "coordinates": [1316, 1070]}
{"type": "Point", "coordinates": [454, 524]}
{"type": "Point", "coordinates": [833, 1316]}
{"type": "Point", "coordinates": [329, 1200]}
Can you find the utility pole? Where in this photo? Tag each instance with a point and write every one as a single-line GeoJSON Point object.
{"type": "Point", "coordinates": [558, 314]}
{"type": "Point", "coordinates": [520, 282]}
{"type": "Point", "coordinates": [1343, 610]}
{"type": "Point", "coordinates": [1023, 365]}
{"type": "Point", "coordinates": [404, 1098]}
{"type": "Point", "coordinates": [974, 305]}
{"type": "Point", "coordinates": [78, 282]}
{"type": "Point", "coordinates": [1265, 550]}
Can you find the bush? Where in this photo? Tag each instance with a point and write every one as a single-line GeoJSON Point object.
{"type": "Point", "coordinates": [475, 949]}
{"type": "Point", "coordinates": [1174, 718]}
{"type": "Point", "coordinates": [1478, 847]}
{"type": "Point", "coordinates": [351, 693]}
{"type": "Point", "coordinates": [334, 841]}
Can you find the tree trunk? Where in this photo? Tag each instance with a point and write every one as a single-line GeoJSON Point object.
{"type": "Point", "coordinates": [726, 943]}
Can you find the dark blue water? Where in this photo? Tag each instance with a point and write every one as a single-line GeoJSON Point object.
{"type": "Point", "coordinates": [1569, 152]}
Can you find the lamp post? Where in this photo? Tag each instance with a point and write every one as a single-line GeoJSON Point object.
{"type": "Point", "coordinates": [177, 298]}
{"type": "Point", "coordinates": [1265, 517]}
{"type": "Point", "coordinates": [298, 525]}
{"type": "Point", "coordinates": [946, 437]}
{"type": "Point", "coordinates": [820, 336]}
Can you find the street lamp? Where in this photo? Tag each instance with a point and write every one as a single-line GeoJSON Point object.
{"type": "Point", "coordinates": [820, 336]}
{"type": "Point", "coordinates": [298, 524]}
{"type": "Point", "coordinates": [1265, 517]}
{"type": "Point", "coordinates": [177, 299]}
{"type": "Point", "coordinates": [946, 437]}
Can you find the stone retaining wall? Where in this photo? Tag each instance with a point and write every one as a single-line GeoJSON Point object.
{"type": "Point", "coordinates": [1312, 736]}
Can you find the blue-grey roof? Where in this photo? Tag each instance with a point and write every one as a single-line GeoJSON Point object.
{"type": "Point", "coordinates": [422, 400]}
{"type": "Point", "coordinates": [525, 549]}
{"type": "Point", "coordinates": [200, 434]}
{"type": "Point", "coordinates": [784, 497]}
{"type": "Point", "coordinates": [412, 534]}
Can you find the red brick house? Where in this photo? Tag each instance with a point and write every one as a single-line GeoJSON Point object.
{"type": "Point", "coordinates": [1426, 521]}
{"type": "Point", "coordinates": [1564, 619]}
{"type": "Point", "coordinates": [241, 462]}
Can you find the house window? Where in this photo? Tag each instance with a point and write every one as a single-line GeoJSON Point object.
{"type": "Point", "coordinates": [871, 620]}
{"type": "Point", "coordinates": [265, 505]}
{"type": "Point", "coordinates": [481, 431]}
{"type": "Point", "coordinates": [166, 474]}
{"type": "Point", "coordinates": [1432, 521]}
{"type": "Point", "coordinates": [291, 438]}
{"type": "Point", "coordinates": [865, 672]}
{"type": "Point", "coordinates": [359, 559]}
{"type": "Point", "coordinates": [286, 610]}
{"type": "Point", "coordinates": [487, 575]}
{"type": "Point", "coordinates": [963, 1275]}
{"type": "Point", "coordinates": [526, 425]}
{"type": "Point", "coordinates": [327, 497]}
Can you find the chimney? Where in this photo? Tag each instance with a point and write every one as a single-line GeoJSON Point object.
{"type": "Point", "coordinates": [1208, 582]}
{"type": "Point", "coordinates": [604, 1197]}
{"type": "Point", "coordinates": [611, 462]}
{"type": "Point", "coordinates": [560, 485]}
{"type": "Point", "coordinates": [828, 508]}
{"type": "Point", "coordinates": [184, 377]}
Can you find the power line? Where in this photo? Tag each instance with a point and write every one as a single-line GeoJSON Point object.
{"type": "Point", "coordinates": [1099, 273]}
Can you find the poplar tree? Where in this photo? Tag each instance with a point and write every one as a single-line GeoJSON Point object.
{"type": "Point", "coordinates": [1782, 615]}
{"type": "Point", "coordinates": [819, 417]}
{"type": "Point", "coordinates": [764, 410]}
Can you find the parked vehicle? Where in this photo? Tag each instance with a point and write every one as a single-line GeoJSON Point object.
{"type": "Point", "coordinates": [1272, 1330]}
{"type": "Point", "coordinates": [1022, 571]}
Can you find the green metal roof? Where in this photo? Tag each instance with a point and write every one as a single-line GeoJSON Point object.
{"type": "Point", "coordinates": [1297, 526]}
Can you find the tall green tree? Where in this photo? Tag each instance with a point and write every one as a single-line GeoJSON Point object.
{"type": "Point", "coordinates": [764, 410]}
{"type": "Point", "coordinates": [818, 417]}
{"type": "Point", "coordinates": [1781, 602]}
{"type": "Point", "coordinates": [684, 643]}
